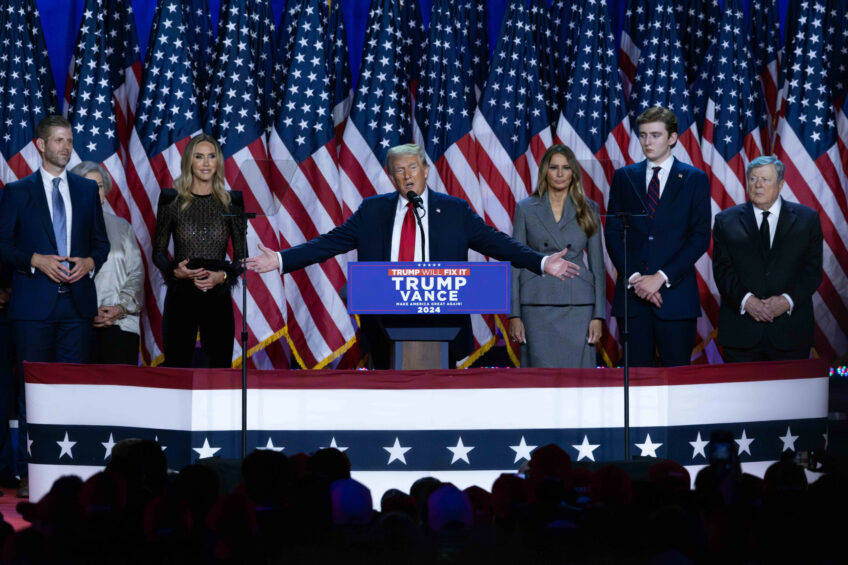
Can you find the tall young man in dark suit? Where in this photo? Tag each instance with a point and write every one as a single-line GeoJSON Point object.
{"type": "Point", "coordinates": [670, 230]}
{"type": "Point", "coordinates": [383, 228]}
{"type": "Point", "coordinates": [767, 263]}
{"type": "Point", "coordinates": [53, 235]}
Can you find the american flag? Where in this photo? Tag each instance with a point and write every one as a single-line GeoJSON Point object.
{"type": "Point", "coordinates": [286, 33]}
{"type": "Point", "coordinates": [341, 81]}
{"type": "Point", "coordinates": [474, 46]}
{"type": "Point", "coordinates": [511, 123]}
{"type": "Point", "coordinates": [443, 115]}
{"type": "Point", "coordinates": [201, 42]}
{"type": "Point", "coordinates": [565, 19]}
{"type": "Point", "coordinates": [26, 88]}
{"type": "Point", "coordinates": [836, 47]}
{"type": "Point", "coordinates": [637, 18]}
{"type": "Point", "coordinates": [108, 25]}
{"type": "Point", "coordinates": [442, 126]}
{"type": "Point", "coordinates": [732, 121]}
{"type": "Point", "coordinates": [269, 74]}
{"type": "Point", "coordinates": [765, 46]}
{"type": "Point", "coordinates": [379, 118]}
{"type": "Point", "coordinates": [697, 27]}
{"type": "Point", "coordinates": [661, 81]}
{"type": "Point", "coordinates": [168, 116]}
{"type": "Point", "coordinates": [549, 57]}
{"type": "Point", "coordinates": [319, 329]}
{"type": "Point", "coordinates": [511, 126]}
{"type": "Point", "coordinates": [731, 135]}
{"type": "Point", "coordinates": [102, 92]}
{"type": "Point", "coordinates": [414, 38]}
{"type": "Point", "coordinates": [594, 122]}
{"type": "Point", "coordinates": [807, 142]}
{"type": "Point", "coordinates": [234, 117]}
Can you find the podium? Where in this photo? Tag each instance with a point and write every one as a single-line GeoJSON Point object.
{"type": "Point", "coordinates": [421, 347]}
{"type": "Point", "coordinates": [418, 304]}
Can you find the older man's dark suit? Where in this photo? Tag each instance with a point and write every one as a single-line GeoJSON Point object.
{"type": "Point", "coordinates": [678, 235]}
{"type": "Point", "coordinates": [454, 229]}
{"type": "Point", "coordinates": [742, 264]}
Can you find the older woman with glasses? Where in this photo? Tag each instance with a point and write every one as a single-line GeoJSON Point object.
{"type": "Point", "coordinates": [119, 284]}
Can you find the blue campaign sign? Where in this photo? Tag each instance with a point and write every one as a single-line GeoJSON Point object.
{"type": "Point", "coordinates": [428, 288]}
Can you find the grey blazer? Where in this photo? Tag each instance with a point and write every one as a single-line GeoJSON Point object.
{"type": "Point", "coordinates": [534, 225]}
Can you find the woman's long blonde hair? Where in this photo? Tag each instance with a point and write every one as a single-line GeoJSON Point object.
{"type": "Point", "coordinates": [586, 218]}
{"type": "Point", "coordinates": [183, 183]}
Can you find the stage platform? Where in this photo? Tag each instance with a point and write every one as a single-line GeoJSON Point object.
{"type": "Point", "coordinates": [466, 427]}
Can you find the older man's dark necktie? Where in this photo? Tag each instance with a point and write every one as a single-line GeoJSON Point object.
{"type": "Point", "coordinates": [765, 233]}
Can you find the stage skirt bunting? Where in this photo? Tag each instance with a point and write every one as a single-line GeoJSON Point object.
{"type": "Point", "coordinates": [395, 426]}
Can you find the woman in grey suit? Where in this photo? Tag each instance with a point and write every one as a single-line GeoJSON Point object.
{"type": "Point", "coordinates": [558, 322]}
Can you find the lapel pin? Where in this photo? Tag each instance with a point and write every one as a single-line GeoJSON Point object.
{"type": "Point", "coordinates": [680, 175]}
{"type": "Point", "coordinates": [438, 210]}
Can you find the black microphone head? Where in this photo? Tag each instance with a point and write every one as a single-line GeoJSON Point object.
{"type": "Point", "coordinates": [410, 195]}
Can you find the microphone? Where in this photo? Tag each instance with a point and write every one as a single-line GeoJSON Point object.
{"type": "Point", "coordinates": [415, 199]}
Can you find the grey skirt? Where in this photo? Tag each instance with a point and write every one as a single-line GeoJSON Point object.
{"type": "Point", "coordinates": [556, 336]}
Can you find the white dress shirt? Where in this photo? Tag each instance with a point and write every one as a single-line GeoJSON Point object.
{"type": "Point", "coordinates": [774, 214]}
{"type": "Point", "coordinates": [665, 171]}
{"type": "Point", "coordinates": [662, 176]}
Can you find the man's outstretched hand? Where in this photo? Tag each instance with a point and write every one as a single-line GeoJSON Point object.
{"type": "Point", "coordinates": [560, 268]}
{"type": "Point", "coordinates": [267, 261]}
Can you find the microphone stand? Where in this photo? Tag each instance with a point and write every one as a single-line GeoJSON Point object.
{"type": "Point", "coordinates": [421, 229]}
{"type": "Point", "coordinates": [244, 217]}
{"type": "Point", "coordinates": [417, 203]}
{"type": "Point", "coordinates": [625, 217]}
{"type": "Point", "coordinates": [625, 336]}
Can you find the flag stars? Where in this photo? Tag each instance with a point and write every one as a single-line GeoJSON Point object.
{"type": "Point", "coordinates": [66, 447]}
{"type": "Point", "coordinates": [522, 450]}
{"type": "Point", "coordinates": [397, 452]}
{"type": "Point", "coordinates": [460, 451]}
{"type": "Point", "coordinates": [744, 443]}
{"type": "Point", "coordinates": [648, 448]}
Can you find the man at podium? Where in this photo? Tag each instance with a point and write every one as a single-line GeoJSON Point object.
{"type": "Point", "coordinates": [384, 228]}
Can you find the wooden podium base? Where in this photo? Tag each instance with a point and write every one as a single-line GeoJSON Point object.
{"type": "Point", "coordinates": [410, 352]}
{"type": "Point", "coordinates": [420, 355]}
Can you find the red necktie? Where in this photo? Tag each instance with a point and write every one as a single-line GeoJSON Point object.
{"type": "Point", "coordinates": [406, 251]}
{"type": "Point", "coordinates": [654, 192]}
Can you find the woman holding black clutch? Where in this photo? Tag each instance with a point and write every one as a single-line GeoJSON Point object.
{"type": "Point", "coordinates": [199, 277]}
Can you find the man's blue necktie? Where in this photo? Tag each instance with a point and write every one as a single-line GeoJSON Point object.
{"type": "Point", "coordinates": [60, 229]}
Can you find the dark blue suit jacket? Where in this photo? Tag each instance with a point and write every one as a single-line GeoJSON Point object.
{"type": "Point", "coordinates": [454, 229]}
{"type": "Point", "coordinates": [26, 228]}
{"type": "Point", "coordinates": [677, 237]}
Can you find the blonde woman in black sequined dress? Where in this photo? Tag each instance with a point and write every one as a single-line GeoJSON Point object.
{"type": "Point", "coordinates": [198, 276]}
